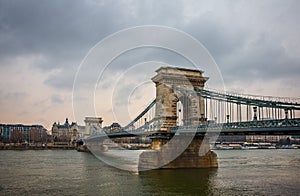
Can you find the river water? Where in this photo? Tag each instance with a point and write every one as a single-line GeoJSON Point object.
{"type": "Point", "coordinates": [68, 172]}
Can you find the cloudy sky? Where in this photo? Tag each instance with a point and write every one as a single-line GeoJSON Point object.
{"type": "Point", "coordinates": [256, 45]}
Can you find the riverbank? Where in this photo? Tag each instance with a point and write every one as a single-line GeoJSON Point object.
{"type": "Point", "coordinates": [36, 147]}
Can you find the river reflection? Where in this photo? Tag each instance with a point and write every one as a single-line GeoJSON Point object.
{"type": "Point", "coordinates": [179, 181]}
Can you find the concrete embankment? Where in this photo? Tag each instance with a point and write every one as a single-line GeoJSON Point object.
{"type": "Point", "coordinates": [33, 147]}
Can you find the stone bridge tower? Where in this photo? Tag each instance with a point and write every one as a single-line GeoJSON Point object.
{"type": "Point", "coordinates": [184, 149]}
{"type": "Point", "coordinates": [93, 125]}
{"type": "Point", "coordinates": [167, 99]}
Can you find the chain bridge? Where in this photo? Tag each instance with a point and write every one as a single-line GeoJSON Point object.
{"type": "Point", "coordinates": [183, 106]}
{"type": "Point", "coordinates": [231, 113]}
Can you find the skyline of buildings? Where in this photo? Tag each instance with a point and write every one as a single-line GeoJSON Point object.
{"type": "Point", "coordinates": [69, 133]}
{"type": "Point", "coordinates": [19, 133]}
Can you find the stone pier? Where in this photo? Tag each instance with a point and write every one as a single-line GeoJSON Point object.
{"type": "Point", "coordinates": [179, 154]}
{"type": "Point", "coordinates": [189, 158]}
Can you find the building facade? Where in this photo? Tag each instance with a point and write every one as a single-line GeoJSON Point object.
{"type": "Point", "coordinates": [66, 133]}
{"type": "Point", "coordinates": [19, 133]}
{"type": "Point", "coordinates": [266, 138]}
{"type": "Point", "coordinates": [114, 127]}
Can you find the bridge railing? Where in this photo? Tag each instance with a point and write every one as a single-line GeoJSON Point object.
{"type": "Point", "coordinates": [276, 102]}
{"type": "Point", "coordinates": [241, 125]}
{"type": "Point", "coordinates": [281, 127]}
{"type": "Point", "coordinates": [150, 126]}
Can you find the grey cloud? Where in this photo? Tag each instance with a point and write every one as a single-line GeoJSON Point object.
{"type": "Point", "coordinates": [62, 37]}
{"type": "Point", "coordinates": [263, 59]}
{"type": "Point", "coordinates": [245, 38]}
{"type": "Point", "coordinates": [13, 96]}
{"type": "Point", "coordinates": [63, 79]}
{"type": "Point", "coordinates": [133, 61]}
{"type": "Point", "coordinates": [218, 37]}
{"type": "Point", "coordinates": [56, 99]}
{"type": "Point", "coordinates": [62, 30]}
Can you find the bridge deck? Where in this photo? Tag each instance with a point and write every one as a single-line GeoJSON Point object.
{"type": "Point", "coordinates": [264, 127]}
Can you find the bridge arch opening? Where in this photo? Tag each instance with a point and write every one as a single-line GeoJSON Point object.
{"type": "Point", "coordinates": [169, 101]}
{"type": "Point", "coordinates": [182, 110]}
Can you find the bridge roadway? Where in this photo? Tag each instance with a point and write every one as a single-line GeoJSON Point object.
{"type": "Point", "coordinates": [263, 127]}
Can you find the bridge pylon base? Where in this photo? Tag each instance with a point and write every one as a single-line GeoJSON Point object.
{"type": "Point", "coordinates": [159, 158]}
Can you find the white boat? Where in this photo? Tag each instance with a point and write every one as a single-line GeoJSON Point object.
{"type": "Point", "coordinates": [252, 147]}
{"type": "Point", "coordinates": [224, 147]}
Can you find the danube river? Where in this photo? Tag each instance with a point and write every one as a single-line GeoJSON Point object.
{"type": "Point", "coordinates": [66, 172]}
